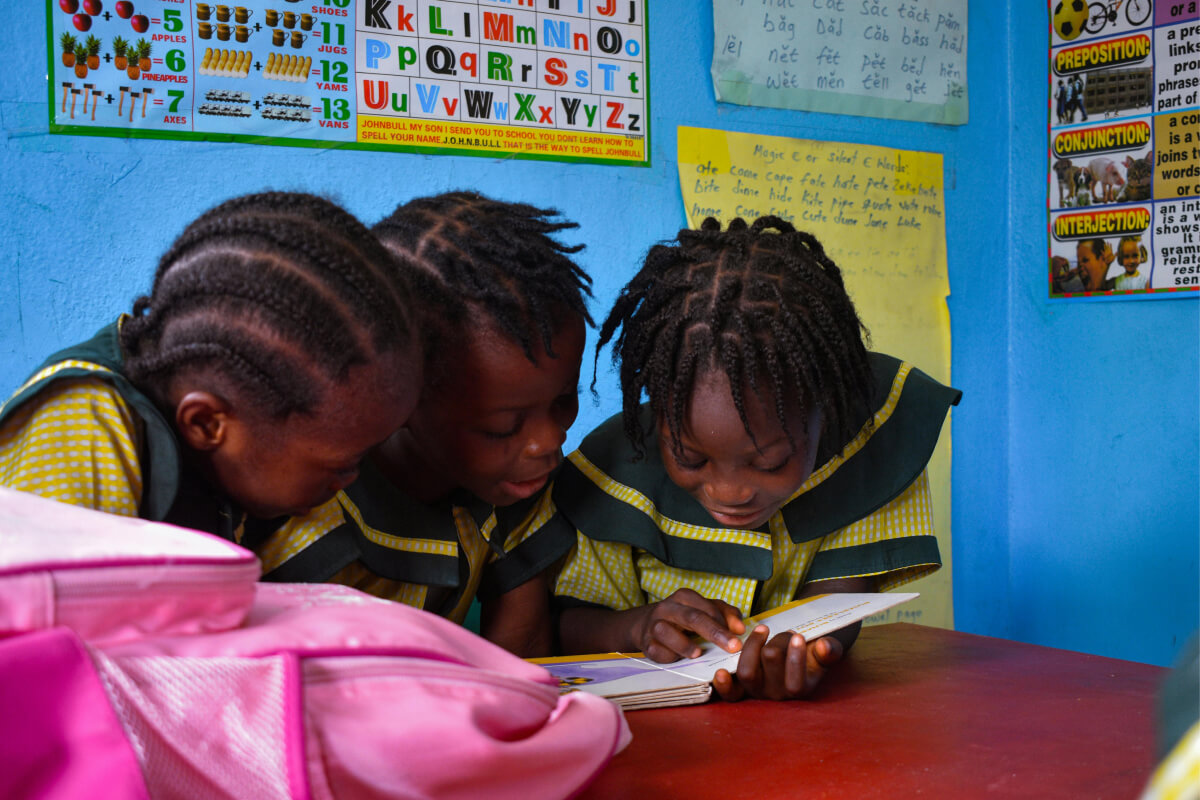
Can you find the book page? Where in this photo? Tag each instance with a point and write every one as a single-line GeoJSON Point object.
{"type": "Point", "coordinates": [625, 676]}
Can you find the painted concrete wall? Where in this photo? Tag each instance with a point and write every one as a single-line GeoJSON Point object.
{"type": "Point", "coordinates": [1103, 522]}
{"type": "Point", "coordinates": [1076, 489]}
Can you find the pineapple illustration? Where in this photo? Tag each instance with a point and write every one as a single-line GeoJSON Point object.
{"type": "Point", "coordinates": [93, 48]}
{"type": "Point", "coordinates": [120, 46]}
{"type": "Point", "coordinates": [67, 43]}
{"type": "Point", "coordinates": [81, 56]}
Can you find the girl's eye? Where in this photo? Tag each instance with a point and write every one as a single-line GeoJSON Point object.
{"type": "Point", "coordinates": [690, 465]}
{"type": "Point", "coordinates": [776, 467]}
{"type": "Point", "coordinates": [503, 434]}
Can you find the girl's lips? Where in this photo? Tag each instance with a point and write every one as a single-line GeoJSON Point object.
{"type": "Point", "coordinates": [523, 489]}
{"type": "Point", "coordinates": [739, 520]}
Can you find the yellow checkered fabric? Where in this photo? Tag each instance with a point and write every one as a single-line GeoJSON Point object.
{"type": "Point", "coordinates": [300, 532]}
{"type": "Point", "coordinates": [77, 441]}
{"type": "Point", "coordinates": [619, 577]}
{"type": "Point", "coordinates": [683, 530]}
{"type": "Point", "coordinates": [1178, 776]}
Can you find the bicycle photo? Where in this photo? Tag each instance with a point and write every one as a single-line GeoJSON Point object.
{"type": "Point", "coordinates": [1101, 14]}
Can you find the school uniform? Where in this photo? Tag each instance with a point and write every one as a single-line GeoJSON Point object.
{"type": "Point", "coordinates": [78, 431]}
{"type": "Point", "coordinates": [865, 511]}
{"type": "Point", "coordinates": [436, 557]}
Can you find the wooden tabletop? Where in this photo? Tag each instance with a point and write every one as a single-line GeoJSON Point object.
{"type": "Point", "coordinates": [913, 712]}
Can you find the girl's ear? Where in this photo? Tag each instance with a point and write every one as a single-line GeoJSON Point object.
{"type": "Point", "coordinates": [202, 420]}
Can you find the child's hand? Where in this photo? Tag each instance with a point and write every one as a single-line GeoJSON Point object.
{"type": "Point", "coordinates": [662, 631]}
{"type": "Point", "coordinates": [785, 668]}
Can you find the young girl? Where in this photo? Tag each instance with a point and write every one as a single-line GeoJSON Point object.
{"type": "Point", "coordinates": [1131, 254]}
{"type": "Point", "coordinates": [453, 503]}
{"type": "Point", "coordinates": [273, 352]}
{"type": "Point", "coordinates": [776, 459]}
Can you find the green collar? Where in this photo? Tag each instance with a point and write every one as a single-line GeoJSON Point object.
{"type": "Point", "coordinates": [161, 467]}
{"type": "Point", "coordinates": [870, 472]}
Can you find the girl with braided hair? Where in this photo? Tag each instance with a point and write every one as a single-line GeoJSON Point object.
{"type": "Point", "coordinates": [776, 458]}
{"type": "Point", "coordinates": [273, 351]}
{"type": "Point", "coordinates": [453, 505]}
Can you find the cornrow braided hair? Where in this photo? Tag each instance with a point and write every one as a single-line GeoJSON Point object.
{"type": "Point", "coordinates": [280, 292]}
{"type": "Point", "coordinates": [763, 303]}
{"type": "Point", "coordinates": [464, 249]}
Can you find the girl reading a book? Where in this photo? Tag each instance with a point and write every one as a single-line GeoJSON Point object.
{"type": "Point", "coordinates": [776, 459]}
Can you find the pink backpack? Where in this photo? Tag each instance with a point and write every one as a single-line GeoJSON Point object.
{"type": "Point", "coordinates": [140, 660]}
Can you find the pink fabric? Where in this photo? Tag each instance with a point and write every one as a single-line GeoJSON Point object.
{"type": "Point", "coordinates": [397, 703]}
{"type": "Point", "coordinates": [113, 578]}
{"type": "Point", "coordinates": [26, 602]}
{"type": "Point", "coordinates": [463, 734]}
{"type": "Point", "coordinates": [196, 683]}
{"type": "Point", "coordinates": [209, 728]}
{"type": "Point", "coordinates": [59, 737]}
{"type": "Point", "coordinates": [326, 619]}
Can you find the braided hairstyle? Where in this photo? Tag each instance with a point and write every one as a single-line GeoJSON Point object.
{"type": "Point", "coordinates": [761, 302]}
{"type": "Point", "coordinates": [464, 250]}
{"type": "Point", "coordinates": [279, 293]}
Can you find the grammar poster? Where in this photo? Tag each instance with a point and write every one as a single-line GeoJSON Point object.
{"type": "Point", "coordinates": [1124, 156]}
{"type": "Point", "coordinates": [543, 79]}
{"type": "Point", "coordinates": [873, 58]}
{"type": "Point", "coordinates": [880, 215]}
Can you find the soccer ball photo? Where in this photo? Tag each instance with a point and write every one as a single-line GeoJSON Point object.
{"type": "Point", "coordinates": [1069, 17]}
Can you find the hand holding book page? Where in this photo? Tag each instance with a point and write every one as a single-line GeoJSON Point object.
{"type": "Point", "coordinates": [634, 682]}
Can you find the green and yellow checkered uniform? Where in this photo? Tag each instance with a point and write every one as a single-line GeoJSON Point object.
{"type": "Point", "coordinates": [865, 512]}
{"type": "Point", "coordinates": [79, 432]}
{"type": "Point", "coordinates": [436, 557]}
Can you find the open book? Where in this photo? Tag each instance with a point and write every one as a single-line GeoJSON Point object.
{"type": "Point", "coordinates": [632, 681]}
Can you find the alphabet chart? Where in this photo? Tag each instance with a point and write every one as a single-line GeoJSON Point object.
{"type": "Point", "coordinates": [562, 80]}
{"type": "Point", "coordinates": [1124, 157]}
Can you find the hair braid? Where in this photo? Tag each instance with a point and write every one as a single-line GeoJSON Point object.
{"type": "Point", "coordinates": [763, 303]}
{"type": "Point", "coordinates": [465, 249]}
{"type": "Point", "coordinates": [281, 293]}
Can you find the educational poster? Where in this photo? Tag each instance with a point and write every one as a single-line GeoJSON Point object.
{"type": "Point", "coordinates": [1124, 155]}
{"type": "Point", "coordinates": [545, 79]}
{"type": "Point", "coordinates": [879, 213]}
{"type": "Point", "coordinates": [871, 58]}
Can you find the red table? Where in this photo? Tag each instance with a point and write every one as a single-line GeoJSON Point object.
{"type": "Point", "coordinates": [913, 712]}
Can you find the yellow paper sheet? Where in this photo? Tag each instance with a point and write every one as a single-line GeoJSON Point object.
{"type": "Point", "coordinates": [879, 213]}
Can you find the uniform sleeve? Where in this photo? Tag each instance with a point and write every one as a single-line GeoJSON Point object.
{"type": "Point", "coordinates": [895, 543]}
{"type": "Point", "coordinates": [600, 573]}
{"type": "Point", "coordinates": [76, 442]}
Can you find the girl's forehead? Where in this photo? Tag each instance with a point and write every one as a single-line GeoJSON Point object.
{"type": "Point", "coordinates": [713, 399]}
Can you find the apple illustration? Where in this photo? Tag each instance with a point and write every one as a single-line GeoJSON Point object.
{"type": "Point", "coordinates": [69, 6]}
{"type": "Point", "coordinates": [140, 23]}
{"type": "Point", "coordinates": [93, 7]}
{"type": "Point", "coordinates": [124, 9]}
{"type": "Point", "coordinates": [82, 21]}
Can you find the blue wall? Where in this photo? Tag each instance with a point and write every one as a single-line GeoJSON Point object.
{"type": "Point", "coordinates": [1076, 489]}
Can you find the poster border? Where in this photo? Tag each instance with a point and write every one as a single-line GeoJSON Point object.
{"type": "Point", "coordinates": [58, 129]}
{"type": "Point", "coordinates": [1100, 295]}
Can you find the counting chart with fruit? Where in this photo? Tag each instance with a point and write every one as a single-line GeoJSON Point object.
{"type": "Point", "coordinates": [548, 79]}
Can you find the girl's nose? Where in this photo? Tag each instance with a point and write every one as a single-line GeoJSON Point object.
{"type": "Point", "coordinates": [728, 493]}
{"type": "Point", "coordinates": [545, 436]}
